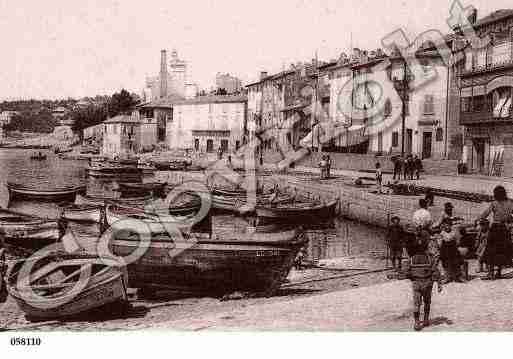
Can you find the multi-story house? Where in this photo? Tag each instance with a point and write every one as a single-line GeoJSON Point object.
{"type": "Point", "coordinates": [486, 95]}
{"type": "Point", "coordinates": [207, 123]}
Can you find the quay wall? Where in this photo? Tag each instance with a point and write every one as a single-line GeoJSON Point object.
{"type": "Point", "coordinates": [370, 208]}
{"type": "Point", "coordinates": [359, 162]}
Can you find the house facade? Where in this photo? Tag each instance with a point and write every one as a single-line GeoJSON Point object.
{"type": "Point", "coordinates": [121, 136]}
{"type": "Point", "coordinates": [208, 123]}
{"type": "Point", "coordinates": [486, 95]}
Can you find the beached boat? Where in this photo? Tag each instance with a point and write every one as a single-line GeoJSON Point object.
{"type": "Point", "coordinates": [18, 191]}
{"type": "Point", "coordinates": [157, 188]}
{"type": "Point", "coordinates": [256, 262]}
{"type": "Point", "coordinates": [82, 212]}
{"type": "Point", "coordinates": [185, 204]}
{"type": "Point", "coordinates": [27, 230]}
{"type": "Point", "coordinates": [61, 285]}
{"type": "Point", "coordinates": [296, 211]}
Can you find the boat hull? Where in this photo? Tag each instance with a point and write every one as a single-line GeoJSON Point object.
{"type": "Point", "coordinates": [112, 290]}
{"type": "Point", "coordinates": [82, 213]}
{"type": "Point", "coordinates": [19, 192]}
{"type": "Point", "coordinates": [308, 214]}
{"type": "Point", "coordinates": [211, 267]}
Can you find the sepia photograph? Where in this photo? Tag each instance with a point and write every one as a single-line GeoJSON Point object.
{"type": "Point", "coordinates": [275, 166]}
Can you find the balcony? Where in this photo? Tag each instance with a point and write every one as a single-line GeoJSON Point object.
{"type": "Point", "coordinates": [483, 117]}
{"type": "Point", "coordinates": [489, 67]}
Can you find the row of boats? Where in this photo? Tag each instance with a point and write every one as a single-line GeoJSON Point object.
{"type": "Point", "coordinates": [103, 167]}
{"type": "Point", "coordinates": [187, 260]}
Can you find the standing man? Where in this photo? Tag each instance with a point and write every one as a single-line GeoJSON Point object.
{"type": "Point", "coordinates": [398, 165]}
{"type": "Point", "coordinates": [418, 166]}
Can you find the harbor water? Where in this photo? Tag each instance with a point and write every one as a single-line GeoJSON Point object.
{"type": "Point", "coordinates": [336, 238]}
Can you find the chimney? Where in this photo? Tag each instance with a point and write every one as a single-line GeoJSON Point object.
{"type": "Point", "coordinates": [163, 74]}
{"type": "Point", "coordinates": [263, 74]}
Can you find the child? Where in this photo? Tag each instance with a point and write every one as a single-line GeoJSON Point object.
{"type": "Point", "coordinates": [379, 177]}
{"type": "Point", "coordinates": [482, 240]}
{"type": "Point", "coordinates": [395, 242]}
{"type": "Point", "coordinates": [449, 254]}
{"type": "Point", "coordinates": [423, 272]}
{"type": "Point", "coordinates": [466, 251]}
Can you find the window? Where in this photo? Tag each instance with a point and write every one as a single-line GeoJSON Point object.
{"type": "Point", "coordinates": [501, 53]}
{"type": "Point", "coordinates": [429, 104]}
{"type": "Point", "coordinates": [395, 139]}
{"type": "Point", "coordinates": [210, 145]}
{"type": "Point", "coordinates": [439, 135]}
{"type": "Point", "coordinates": [465, 104]}
{"type": "Point", "coordinates": [479, 103]}
{"type": "Point", "coordinates": [387, 111]}
{"type": "Point", "coordinates": [224, 145]}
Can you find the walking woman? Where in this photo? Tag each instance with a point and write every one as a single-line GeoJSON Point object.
{"type": "Point", "coordinates": [498, 251]}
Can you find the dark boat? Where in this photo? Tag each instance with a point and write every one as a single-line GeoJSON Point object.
{"type": "Point", "coordinates": [18, 191]}
{"type": "Point", "coordinates": [104, 169]}
{"type": "Point", "coordinates": [27, 230]}
{"type": "Point", "coordinates": [171, 165]}
{"type": "Point", "coordinates": [238, 203]}
{"type": "Point", "coordinates": [296, 211]}
{"type": "Point", "coordinates": [60, 285]}
{"type": "Point", "coordinates": [148, 188]}
{"type": "Point", "coordinates": [256, 262]}
{"type": "Point", "coordinates": [38, 157]}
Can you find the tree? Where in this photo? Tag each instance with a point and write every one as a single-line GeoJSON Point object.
{"type": "Point", "coordinates": [122, 103]}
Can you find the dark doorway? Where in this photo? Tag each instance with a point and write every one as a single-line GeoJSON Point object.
{"type": "Point", "coordinates": [224, 145]}
{"type": "Point", "coordinates": [210, 145]}
{"type": "Point", "coordinates": [196, 144]}
{"type": "Point", "coordinates": [427, 139]}
{"type": "Point", "coordinates": [480, 147]}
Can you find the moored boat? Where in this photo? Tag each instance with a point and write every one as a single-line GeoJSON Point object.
{"type": "Point", "coordinates": [238, 203]}
{"type": "Point", "coordinates": [157, 188]}
{"type": "Point", "coordinates": [295, 211]}
{"type": "Point", "coordinates": [60, 285]}
{"type": "Point", "coordinates": [18, 191]}
{"type": "Point", "coordinates": [38, 157]}
{"type": "Point", "coordinates": [82, 212]}
{"type": "Point", "coordinates": [257, 262]}
{"type": "Point", "coordinates": [28, 230]}
{"type": "Point", "coordinates": [103, 200]}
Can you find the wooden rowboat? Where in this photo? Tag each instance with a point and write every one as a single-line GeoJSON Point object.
{"type": "Point", "coordinates": [61, 285]}
{"type": "Point", "coordinates": [82, 212]}
{"type": "Point", "coordinates": [18, 191]}
{"type": "Point", "coordinates": [298, 211]}
{"type": "Point", "coordinates": [148, 188]}
{"type": "Point", "coordinates": [236, 203]}
{"type": "Point", "coordinates": [250, 262]}
{"type": "Point", "coordinates": [103, 200]}
{"type": "Point", "coordinates": [138, 220]}
{"type": "Point", "coordinates": [27, 230]}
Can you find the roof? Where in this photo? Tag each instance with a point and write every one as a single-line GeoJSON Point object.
{"type": "Point", "coordinates": [122, 119]}
{"type": "Point", "coordinates": [494, 16]}
{"type": "Point", "coordinates": [166, 102]}
{"type": "Point", "coordinates": [213, 99]}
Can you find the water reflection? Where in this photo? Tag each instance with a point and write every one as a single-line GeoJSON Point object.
{"type": "Point", "coordinates": [334, 239]}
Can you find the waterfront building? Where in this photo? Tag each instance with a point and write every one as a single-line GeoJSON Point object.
{"type": "Point", "coordinates": [486, 93]}
{"type": "Point", "coordinates": [207, 123]}
{"type": "Point", "coordinates": [5, 119]}
{"type": "Point", "coordinates": [229, 83]}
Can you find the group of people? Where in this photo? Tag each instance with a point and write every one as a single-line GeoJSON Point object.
{"type": "Point", "coordinates": [409, 167]}
{"type": "Point", "coordinates": [325, 166]}
{"type": "Point", "coordinates": [447, 242]}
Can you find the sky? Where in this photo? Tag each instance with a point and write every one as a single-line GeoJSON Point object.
{"type": "Point", "coordinates": [58, 49]}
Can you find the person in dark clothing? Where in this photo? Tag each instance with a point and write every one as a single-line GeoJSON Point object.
{"type": "Point", "coordinates": [417, 164]}
{"type": "Point", "coordinates": [395, 242]}
{"type": "Point", "coordinates": [498, 251]}
{"type": "Point", "coordinates": [398, 165]}
{"type": "Point", "coordinates": [423, 272]}
{"type": "Point", "coordinates": [406, 168]}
